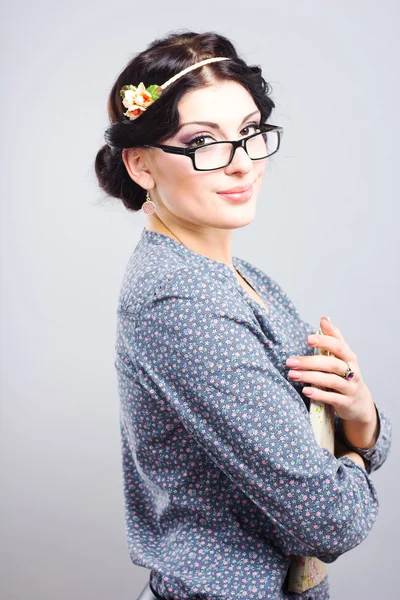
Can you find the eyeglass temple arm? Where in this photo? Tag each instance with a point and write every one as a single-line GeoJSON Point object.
{"type": "Point", "coordinates": [171, 149]}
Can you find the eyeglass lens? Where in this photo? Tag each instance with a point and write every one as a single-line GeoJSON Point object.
{"type": "Point", "coordinates": [215, 156]}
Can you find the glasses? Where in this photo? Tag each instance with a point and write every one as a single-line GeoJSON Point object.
{"type": "Point", "coordinates": [217, 155]}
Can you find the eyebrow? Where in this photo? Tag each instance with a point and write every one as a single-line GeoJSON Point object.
{"type": "Point", "coordinates": [214, 125]}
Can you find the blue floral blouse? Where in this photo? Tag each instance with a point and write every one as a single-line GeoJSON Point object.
{"type": "Point", "coordinates": [223, 477]}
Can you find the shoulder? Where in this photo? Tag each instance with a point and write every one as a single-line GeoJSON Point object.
{"type": "Point", "coordinates": [197, 292]}
{"type": "Point", "coordinates": [174, 284]}
{"type": "Point", "coordinates": [191, 282]}
{"type": "Point", "coordinates": [145, 274]}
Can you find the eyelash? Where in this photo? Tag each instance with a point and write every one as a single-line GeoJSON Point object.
{"type": "Point", "coordinates": [204, 135]}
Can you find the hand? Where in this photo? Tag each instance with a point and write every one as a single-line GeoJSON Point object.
{"type": "Point", "coordinates": [351, 398]}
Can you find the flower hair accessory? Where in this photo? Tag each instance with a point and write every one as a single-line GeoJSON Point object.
{"type": "Point", "coordinates": [138, 98]}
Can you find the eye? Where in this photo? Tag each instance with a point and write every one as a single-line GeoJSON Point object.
{"type": "Point", "coordinates": [199, 138]}
{"type": "Point", "coordinates": [254, 125]}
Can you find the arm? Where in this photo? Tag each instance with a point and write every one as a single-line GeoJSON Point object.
{"type": "Point", "coordinates": [202, 354]}
{"type": "Point", "coordinates": [355, 458]}
{"type": "Point", "coordinates": [341, 450]}
{"type": "Point", "coordinates": [346, 433]}
{"type": "Point", "coordinates": [375, 456]}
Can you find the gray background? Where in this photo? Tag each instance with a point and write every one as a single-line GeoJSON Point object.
{"type": "Point", "coordinates": [326, 229]}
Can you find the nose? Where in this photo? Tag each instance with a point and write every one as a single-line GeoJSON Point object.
{"type": "Point", "coordinates": [241, 161]}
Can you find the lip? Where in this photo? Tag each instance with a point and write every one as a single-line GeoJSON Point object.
{"type": "Point", "coordinates": [236, 190]}
{"type": "Point", "coordinates": [238, 196]}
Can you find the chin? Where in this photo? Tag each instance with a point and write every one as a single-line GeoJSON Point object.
{"type": "Point", "coordinates": [244, 218]}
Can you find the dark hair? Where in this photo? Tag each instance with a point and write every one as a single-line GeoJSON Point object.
{"type": "Point", "coordinates": [162, 59]}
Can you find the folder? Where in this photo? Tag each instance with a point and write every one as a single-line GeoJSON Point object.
{"type": "Point", "coordinates": [305, 572]}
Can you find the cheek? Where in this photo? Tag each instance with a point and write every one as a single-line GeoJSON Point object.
{"type": "Point", "coordinates": [174, 167]}
{"type": "Point", "coordinates": [174, 174]}
{"type": "Point", "coordinates": [177, 173]}
{"type": "Point", "coordinates": [259, 171]}
{"type": "Point", "coordinates": [260, 166]}
{"type": "Point", "coordinates": [177, 181]}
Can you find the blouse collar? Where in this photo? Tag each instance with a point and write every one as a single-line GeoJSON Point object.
{"type": "Point", "coordinates": [190, 255]}
{"type": "Point", "coordinates": [196, 259]}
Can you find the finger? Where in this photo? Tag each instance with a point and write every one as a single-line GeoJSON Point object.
{"type": "Point", "coordinates": [320, 362]}
{"type": "Point", "coordinates": [317, 395]}
{"type": "Point", "coordinates": [329, 329]}
{"type": "Point", "coordinates": [326, 380]}
{"type": "Point", "coordinates": [334, 345]}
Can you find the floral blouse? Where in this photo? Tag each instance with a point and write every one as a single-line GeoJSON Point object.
{"type": "Point", "coordinates": [223, 477]}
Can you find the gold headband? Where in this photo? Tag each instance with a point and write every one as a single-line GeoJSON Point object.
{"type": "Point", "coordinates": [137, 98]}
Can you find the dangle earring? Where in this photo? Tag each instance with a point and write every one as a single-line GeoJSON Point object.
{"type": "Point", "coordinates": [148, 207]}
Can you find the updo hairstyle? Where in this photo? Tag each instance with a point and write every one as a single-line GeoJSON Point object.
{"type": "Point", "coordinates": [162, 59]}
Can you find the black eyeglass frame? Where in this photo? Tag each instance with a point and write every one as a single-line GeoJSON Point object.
{"type": "Point", "coordinates": [235, 144]}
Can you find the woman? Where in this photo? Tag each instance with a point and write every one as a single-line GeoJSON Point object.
{"type": "Point", "coordinates": [223, 478]}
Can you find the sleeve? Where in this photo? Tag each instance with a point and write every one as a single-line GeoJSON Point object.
{"type": "Point", "coordinates": [204, 353]}
{"type": "Point", "coordinates": [375, 456]}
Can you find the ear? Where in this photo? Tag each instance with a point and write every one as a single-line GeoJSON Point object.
{"type": "Point", "coordinates": [135, 163]}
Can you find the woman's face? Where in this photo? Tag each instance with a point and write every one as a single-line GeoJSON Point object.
{"type": "Point", "coordinates": [190, 198]}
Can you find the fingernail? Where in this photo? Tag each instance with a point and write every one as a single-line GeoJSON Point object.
{"type": "Point", "coordinates": [292, 362]}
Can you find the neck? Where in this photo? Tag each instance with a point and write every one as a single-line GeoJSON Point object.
{"type": "Point", "coordinates": [212, 243]}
